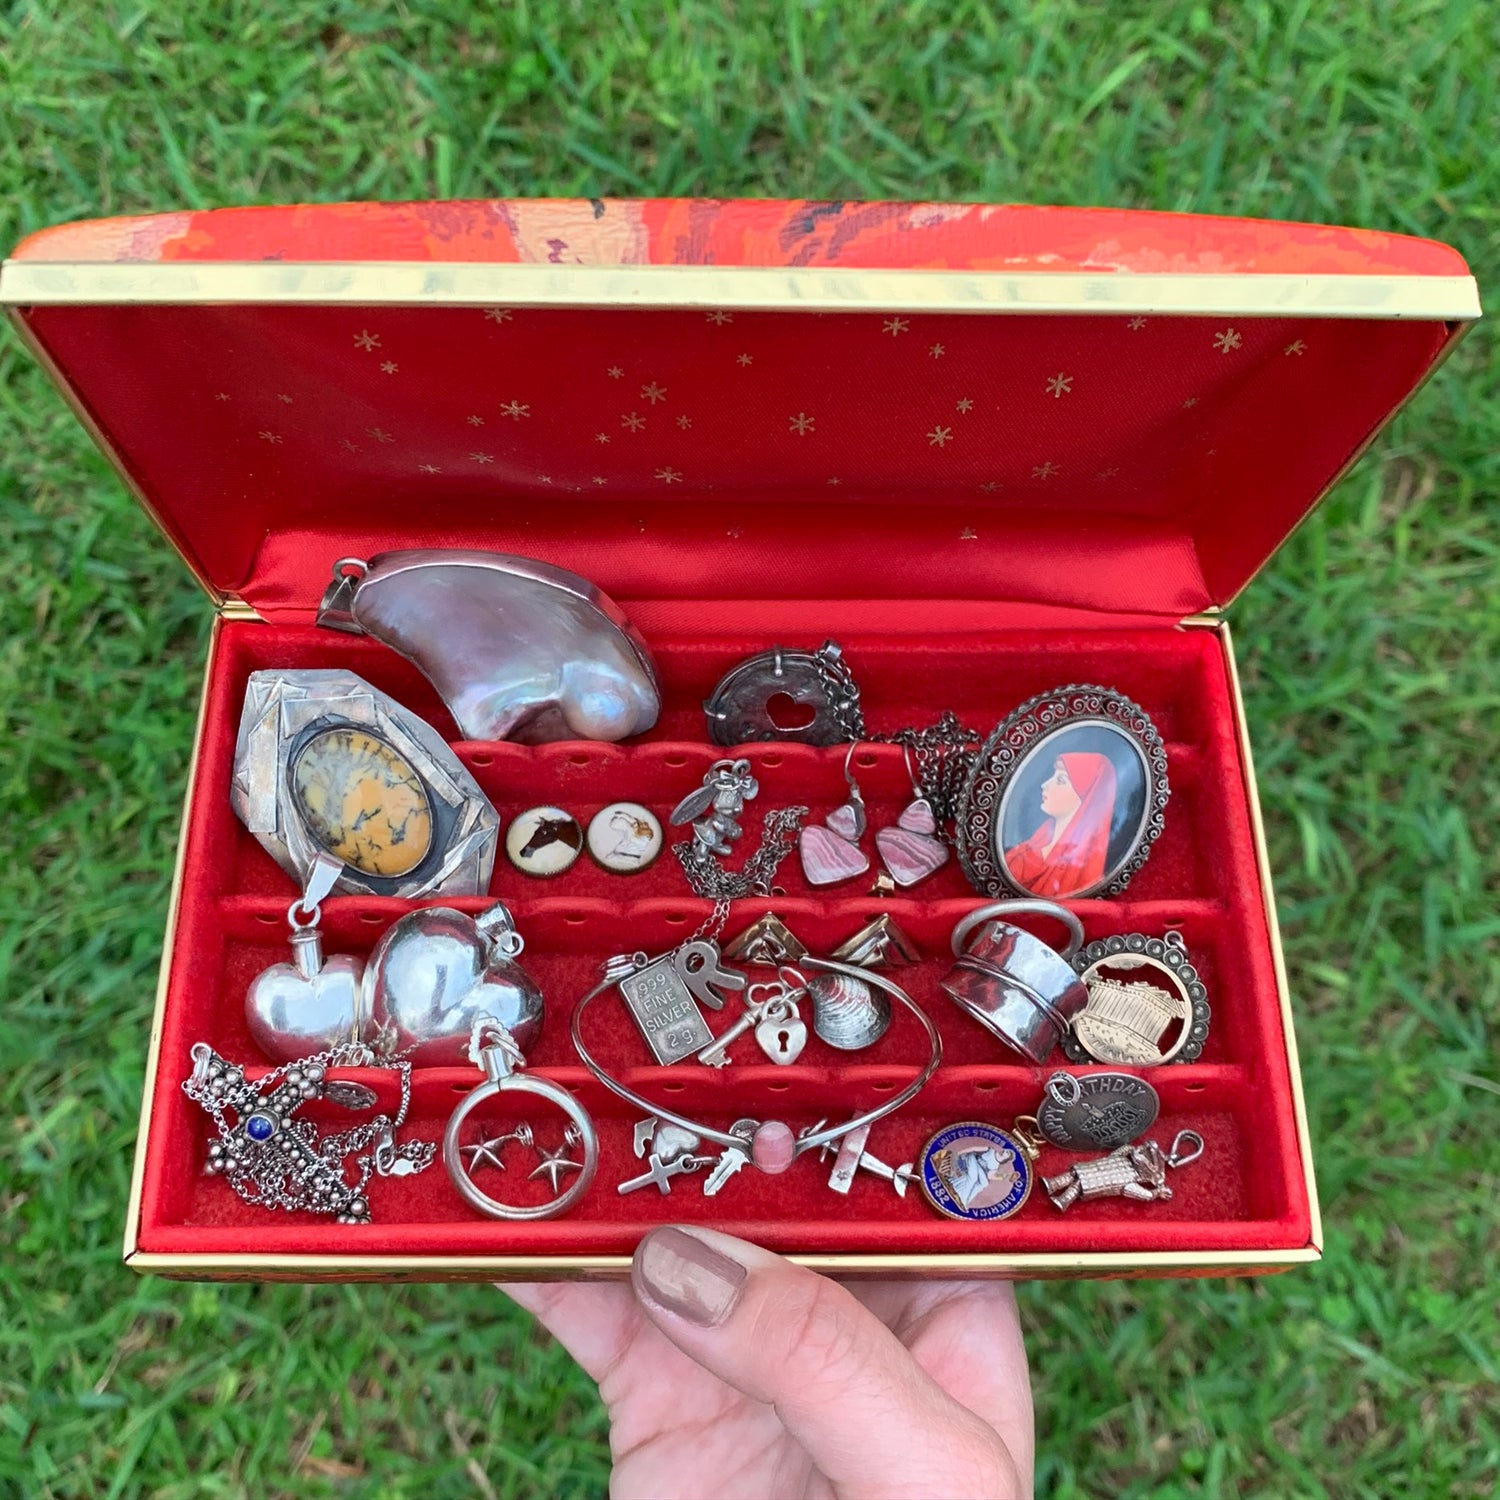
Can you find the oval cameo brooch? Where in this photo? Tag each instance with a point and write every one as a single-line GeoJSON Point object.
{"type": "Point", "coordinates": [1065, 798]}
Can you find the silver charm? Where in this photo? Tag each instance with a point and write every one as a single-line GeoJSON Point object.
{"type": "Point", "coordinates": [494, 1052]}
{"type": "Point", "coordinates": [660, 995]}
{"type": "Point", "coordinates": [850, 1158]}
{"type": "Point", "coordinates": [555, 1163]}
{"type": "Point", "coordinates": [1097, 1111]}
{"type": "Point", "coordinates": [1065, 798]}
{"type": "Point", "coordinates": [817, 682]}
{"type": "Point", "coordinates": [766, 943]}
{"type": "Point", "coordinates": [486, 1153]}
{"type": "Point", "coordinates": [624, 837]}
{"type": "Point", "coordinates": [1012, 983]}
{"type": "Point", "coordinates": [436, 971]}
{"type": "Point", "coordinates": [543, 841]}
{"type": "Point", "coordinates": [848, 1013]}
{"type": "Point", "coordinates": [830, 850]}
{"type": "Point", "coordinates": [312, 1003]}
{"type": "Point", "coordinates": [518, 650]}
{"type": "Point", "coordinates": [879, 943]}
{"type": "Point", "coordinates": [1133, 1021]}
{"type": "Point", "coordinates": [323, 763]}
{"type": "Point", "coordinates": [771, 1012]}
{"type": "Point", "coordinates": [274, 1159]}
{"type": "Point", "coordinates": [732, 1157]}
{"type": "Point", "coordinates": [1138, 1172]}
{"type": "Point", "coordinates": [659, 1173]}
{"type": "Point", "coordinates": [715, 807]}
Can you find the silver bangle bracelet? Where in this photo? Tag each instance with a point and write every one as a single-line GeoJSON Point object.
{"type": "Point", "coordinates": [809, 1140]}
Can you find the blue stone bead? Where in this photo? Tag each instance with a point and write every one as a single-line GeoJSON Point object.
{"type": "Point", "coordinates": [260, 1127]}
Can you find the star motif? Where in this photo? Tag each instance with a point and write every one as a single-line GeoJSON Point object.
{"type": "Point", "coordinates": [633, 420]}
{"type": "Point", "coordinates": [615, 372]}
{"type": "Point", "coordinates": [990, 486]}
{"type": "Point", "coordinates": [1108, 473]}
{"type": "Point", "coordinates": [895, 326]}
{"type": "Point", "coordinates": [939, 436]}
{"type": "Point", "coordinates": [1059, 385]}
{"type": "Point", "coordinates": [1190, 403]}
{"type": "Point", "coordinates": [482, 458]}
{"type": "Point", "coordinates": [1227, 339]}
{"type": "Point", "coordinates": [271, 437]}
{"type": "Point", "coordinates": [684, 421]}
{"type": "Point", "coordinates": [475, 421]}
{"type": "Point", "coordinates": [379, 434]}
{"type": "Point", "coordinates": [735, 533]}
{"type": "Point", "coordinates": [285, 400]}
{"type": "Point", "coordinates": [554, 1163]}
{"type": "Point", "coordinates": [516, 409]}
{"type": "Point", "coordinates": [1295, 347]}
{"type": "Point", "coordinates": [601, 437]}
{"type": "Point", "coordinates": [835, 481]}
{"type": "Point", "coordinates": [389, 368]}
{"type": "Point", "coordinates": [801, 424]}
{"type": "Point", "coordinates": [544, 479]}
{"type": "Point", "coordinates": [367, 340]}
{"type": "Point", "coordinates": [968, 534]}
{"type": "Point", "coordinates": [669, 475]}
{"type": "Point", "coordinates": [719, 317]}
{"type": "Point", "coordinates": [1136, 323]}
{"type": "Point", "coordinates": [1045, 471]}
{"type": "Point", "coordinates": [743, 359]}
{"type": "Point", "coordinates": [964, 404]}
{"type": "Point", "coordinates": [937, 351]}
{"type": "Point", "coordinates": [429, 468]}
{"type": "Point", "coordinates": [600, 479]}
{"type": "Point", "coordinates": [498, 314]}
{"type": "Point", "coordinates": [486, 1153]}
{"type": "Point", "coordinates": [348, 446]}
{"type": "Point", "coordinates": [222, 396]}
{"type": "Point", "coordinates": [653, 393]}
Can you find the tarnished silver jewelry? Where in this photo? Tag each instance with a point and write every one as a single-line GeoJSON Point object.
{"type": "Point", "coordinates": [773, 1146]}
{"type": "Point", "coordinates": [830, 850]}
{"type": "Point", "coordinates": [661, 993]}
{"type": "Point", "coordinates": [771, 1012]}
{"type": "Point", "coordinates": [708, 878]}
{"type": "Point", "coordinates": [1133, 1021]}
{"type": "Point", "coordinates": [1096, 1111]}
{"type": "Point", "coordinates": [849, 1013]}
{"type": "Point", "coordinates": [312, 1003]}
{"type": "Point", "coordinates": [274, 1159]}
{"type": "Point", "coordinates": [1065, 798]}
{"type": "Point", "coordinates": [850, 1158]}
{"type": "Point", "coordinates": [518, 649]}
{"type": "Point", "coordinates": [1012, 983]}
{"type": "Point", "coordinates": [543, 841]}
{"type": "Point", "coordinates": [1138, 1172]}
{"type": "Point", "coordinates": [669, 1152]}
{"type": "Point", "coordinates": [767, 942]}
{"type": "Point", "coordinates": [494, 1052]}
{"type": "Point", "coordinates": [739, 712]}
{"type": "Point", "coordinates": [436, 971]}
{"type": "Point", "coordinates": [714, 808]}
{"type": "Point", "coordinates": [324, 763]}
{"type": "Point", "coordinates": [486, 1153]}
{"type": "Point", "coordinates": [558, 1161]}
{"type": "Point", "coordinates": [878, 944]}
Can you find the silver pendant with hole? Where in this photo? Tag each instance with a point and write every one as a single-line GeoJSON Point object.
{"type": "Point", "coordinates": [1131, 1020]}
{"type": "Point", "coordinates": [1097, 1111]}
{"type": "Point", "coordinates": [817, 682]}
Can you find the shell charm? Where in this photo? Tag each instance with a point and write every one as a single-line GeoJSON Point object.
{"type": "Point", "coordinates": [848, 1013]}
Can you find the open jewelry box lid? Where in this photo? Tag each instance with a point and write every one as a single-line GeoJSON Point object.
{"type": "Point", "coordinates": [1057, 415]}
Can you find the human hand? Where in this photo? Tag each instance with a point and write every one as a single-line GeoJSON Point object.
{"type": "Point", "coordinates": [727, 1372]}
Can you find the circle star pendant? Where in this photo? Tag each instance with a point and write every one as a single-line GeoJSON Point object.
{"type": "Point", "coordinates": [555, 1163]}
{"type": "Point", "coordinates": [487, 1153]}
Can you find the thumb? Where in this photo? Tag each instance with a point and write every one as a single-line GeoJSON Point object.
{"type": "Point", "coordinates": [870, 1419]}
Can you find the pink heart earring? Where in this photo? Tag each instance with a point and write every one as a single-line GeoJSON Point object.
{"type": "Point", "coordinates": [911, 850]}
{"type": "Point", "coordinates": [830, 851]}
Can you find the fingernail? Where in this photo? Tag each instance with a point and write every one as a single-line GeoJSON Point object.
{"type": "Point", "coordinates": [680, 1273]}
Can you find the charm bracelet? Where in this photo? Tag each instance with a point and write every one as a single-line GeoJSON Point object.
{"type": "Point", "coordinates": [770, 1137]}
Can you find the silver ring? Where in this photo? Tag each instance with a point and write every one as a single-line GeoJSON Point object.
{"type": "Point", "coordinates": [1019, 908]}
{"type": "Point", "coordinates": [520, 1083]}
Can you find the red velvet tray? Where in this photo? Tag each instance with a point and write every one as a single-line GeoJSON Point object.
{"type": "Point", "coordinates": [992, 450]}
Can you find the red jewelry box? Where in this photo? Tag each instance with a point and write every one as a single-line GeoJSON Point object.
{"type": "Point", "coordinates": [991, 450]}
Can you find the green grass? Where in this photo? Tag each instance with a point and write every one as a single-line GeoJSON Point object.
{"type": "Point", "coordinates": [1368, 648]}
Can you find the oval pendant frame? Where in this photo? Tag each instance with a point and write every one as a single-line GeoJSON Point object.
{"type": "Point", "coordinates": [1010, 747]}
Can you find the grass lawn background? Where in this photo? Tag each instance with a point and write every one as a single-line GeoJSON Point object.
{"type": "Point", "coordinates": [1368, 650]}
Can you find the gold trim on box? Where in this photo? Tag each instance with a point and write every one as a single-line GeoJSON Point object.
{"type": "Point", "coordinates": [782, 288]}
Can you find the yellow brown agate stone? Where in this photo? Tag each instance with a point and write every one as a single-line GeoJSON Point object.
{"type": "Point", "coordinates": [362, 802]}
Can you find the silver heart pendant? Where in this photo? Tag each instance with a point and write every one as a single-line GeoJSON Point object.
{"type": "Point", "coordinates": [293, 1014]}
{"type": "Point", "coordinates": [436, 972]}
{"type": "Point", "coordinates": [782, 1041]}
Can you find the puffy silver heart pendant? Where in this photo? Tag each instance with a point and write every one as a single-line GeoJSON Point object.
{"type": "Point", "coordinates": [436, 972]}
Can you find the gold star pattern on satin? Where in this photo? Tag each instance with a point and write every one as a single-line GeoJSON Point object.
{"type": "Point", "coordinates": [1135, 324]}
{"type": "Point", "coordinates": [968, 534]}
{"type": "Point", "coordinates": [600, 479]}
{"type": "Point", "coordinates": [963, 404]}
{"type": "Point", "coordinates": [990, 486]}
{"type": "Point", "coordinates": [743, 359]}
{"type": "Point", "coordinates": [835, 481]}
{"type": "Point", "coordinates": [1190, 403]}
{"type": "Point", "coordinates": [475, 421]}
{"type": "Point", "coordinates": [1059, 385]}
{"type": "Point", "coordinates": [895, 326]}
{"type": "Point", "coordinates": [615, 372]}
{"type": "Point", "coordinates": [1226, 340]}
{"type": "Point", "coordinates": [429, 468]}
{"type": "Point", "coordinates": [348, 446]}
{"type": "Point", "coordinates": [515, 409]}
{"type": "Point", "coordinates": [362, 802]}
{"type": "Point", "coordinates": [388, 368]}
{"type": "Point", "coordinates": [669, 475]}
{"type": "Point", "coordinates": [684, 421]}
{"type": "Point", "coordinates": [801, 424]}
{"type": "Point", "coordinates": [482, 458]}
{"type": "Point", "coordinates": [720, 317]}
{"type": "Point", "coordinates": [601, 437]}
{"type": "Point", "coordinates": [222, 396]}
{"type": "Point", "coordinates": [633, 420]}
{"type": "Point", "coordinates": [271, 437]}
{"type": "Point", "coordinates": [1046, 470]}
{"type": "Point", "coordinates": [939, 436]}
{"type": "Point", "coordinates": [379, 434]}
{"type": "Point", "coordinates": [1295, 347]}
{"type": "Point", "coordinates": [936, 351]}
{"type": "Point", "coordinates": [653, 392]}
{"type": "Point", "coordinates": [367, 340]}
{"type": "Point", "coordinates": [284, 399]}
{"type": "Point", "coordinates": [1108, 473]}
{"type": "Point", "coordinates": [498, 314]}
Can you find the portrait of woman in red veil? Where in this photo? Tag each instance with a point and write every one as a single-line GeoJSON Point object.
{"type": "Point", "coordinates": [1068, 852]}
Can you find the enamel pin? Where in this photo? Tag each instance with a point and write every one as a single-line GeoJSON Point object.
{"type": "Point", "coordinates": [976, 1172]}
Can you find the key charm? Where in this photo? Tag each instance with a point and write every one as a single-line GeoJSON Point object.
{"type": "Point", "coordinates": [731, 1158]}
